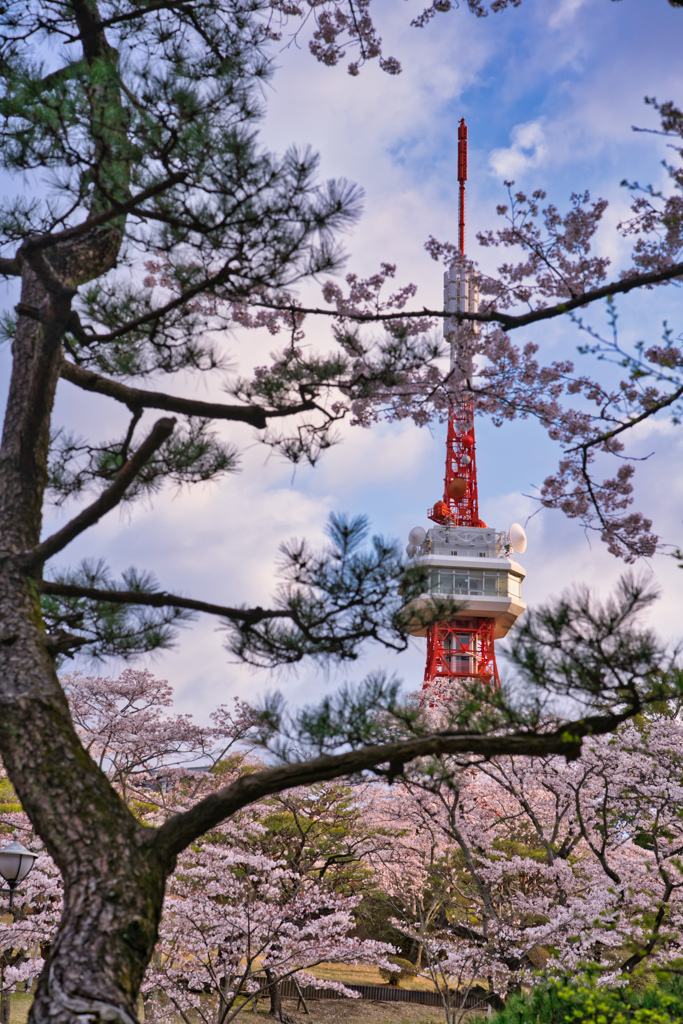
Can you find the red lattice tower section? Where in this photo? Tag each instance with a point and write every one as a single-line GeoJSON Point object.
{"type": "Point", "coordinates": [460, 504]}
{"type": "Point", "coordinates": [462, 648]}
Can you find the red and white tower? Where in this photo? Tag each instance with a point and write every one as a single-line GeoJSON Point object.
{"type": "Point", "coordinates": [466, 561]}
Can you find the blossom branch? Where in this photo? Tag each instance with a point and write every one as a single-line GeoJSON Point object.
{"type": "Point", "coordinates": [507, 320]}
{"type": "Point", "coordinates": [664, 403]}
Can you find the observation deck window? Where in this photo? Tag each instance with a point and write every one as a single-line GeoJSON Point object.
{"type": "Point", "coordinates": [515, 585]}
{"type": "Point", "coordinates": [475, 582]}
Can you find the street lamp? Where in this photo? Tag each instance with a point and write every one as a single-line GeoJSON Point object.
{"type": "Point", "coordinates": [15, 864]}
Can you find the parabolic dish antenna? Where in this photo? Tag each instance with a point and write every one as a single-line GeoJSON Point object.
{"type": "Point", "coordinates": [518, 538]}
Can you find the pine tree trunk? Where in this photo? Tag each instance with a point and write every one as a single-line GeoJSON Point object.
{"type": "Point", "coordinates": [113, 876]}
{"type": "Point", "coordinates": [113, 880]}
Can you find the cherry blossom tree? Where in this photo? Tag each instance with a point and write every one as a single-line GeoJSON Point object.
{"type": "Point", "coordinates": [435, 845]}
{"type": "Point", "coordinates": [519, 865]}
{"type": "Point", "coordinates": [125, 726]}
{"type": "Point", "coordinates": [325, 831]}
{"type": "Point", "coordinates": [553, 271]}
{"type": "Point", "coordinates": [237, 924]}
{"type": "Point", "coordinates": [25, 940]}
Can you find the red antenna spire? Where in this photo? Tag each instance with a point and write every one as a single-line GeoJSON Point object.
{"type": "Point", "coordinates": [462, 178]}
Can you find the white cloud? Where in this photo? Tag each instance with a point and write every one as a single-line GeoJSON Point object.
{"type": "Point", "coordinates": [527, 150]}
{"type": "Point", "coordinates": [565, 12]}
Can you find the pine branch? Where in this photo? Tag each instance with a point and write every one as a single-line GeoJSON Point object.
{"type": "Point", "coordinates": [207, 285]}
{"type": "Point", "coordinates": [136, 398]}
{"type": "Point", "coordinates": [109, 498]}
{"type": "Point", "coordinates": [181, 830]}
{"type": "Point", "coordinates": [161, 599]}
{"type": "Point", "coordinates": [150, 8]}
{"type": "Point", "coordinates": [97, 220]}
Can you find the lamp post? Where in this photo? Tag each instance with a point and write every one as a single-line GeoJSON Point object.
{"type": "Point", "coordinates": [15, 864]}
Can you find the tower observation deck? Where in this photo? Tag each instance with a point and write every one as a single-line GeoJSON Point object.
{"type": "Point", "coordinates": [465, 561]}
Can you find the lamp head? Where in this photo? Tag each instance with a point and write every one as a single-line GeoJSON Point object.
{"type": "Point", "coordinates": [16, 862]}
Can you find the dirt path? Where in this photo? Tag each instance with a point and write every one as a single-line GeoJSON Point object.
{"type": "Point", "coordinates": [355, 1011]}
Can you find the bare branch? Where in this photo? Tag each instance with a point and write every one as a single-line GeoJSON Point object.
{"type": "Point", "coordinates": [10, 267]}
{"type": "Point", "coordinates": [162, 599]}
{"type": "Point", "coordinates": [109, 498]}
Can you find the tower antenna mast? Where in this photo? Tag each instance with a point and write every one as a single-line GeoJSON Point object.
{"type": "Point", "coordinates": [465, 561]}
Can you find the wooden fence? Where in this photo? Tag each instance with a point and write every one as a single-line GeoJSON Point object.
{"type": "Point", "coordinates": [379, 993]}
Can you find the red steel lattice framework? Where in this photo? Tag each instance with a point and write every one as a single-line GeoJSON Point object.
{"type": "Point", "coordinates": [460, 503]}
{"type": "Point", "coordinates": [464, 647]}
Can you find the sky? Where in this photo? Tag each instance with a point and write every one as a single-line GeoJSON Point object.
{"type": "Point", "coordinates": [550, 92]}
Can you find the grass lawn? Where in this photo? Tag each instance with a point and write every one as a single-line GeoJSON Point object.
{"type": "Point", "coordinates": [19, 1007]}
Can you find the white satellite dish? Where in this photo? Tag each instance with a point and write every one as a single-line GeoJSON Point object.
{"type": "Point", "coordinates": [518, 538]}
{"type": "Point", "coordinates": [417, 536]}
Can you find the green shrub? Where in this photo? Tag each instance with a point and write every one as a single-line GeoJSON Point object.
{"type": "Point", "coordinates": [403, 970]}
{"type": "Point", "coordinates": [585, 1002]}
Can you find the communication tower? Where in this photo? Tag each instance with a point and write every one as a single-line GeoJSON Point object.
{"type": "Point", "coordinates": [465, 560]}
